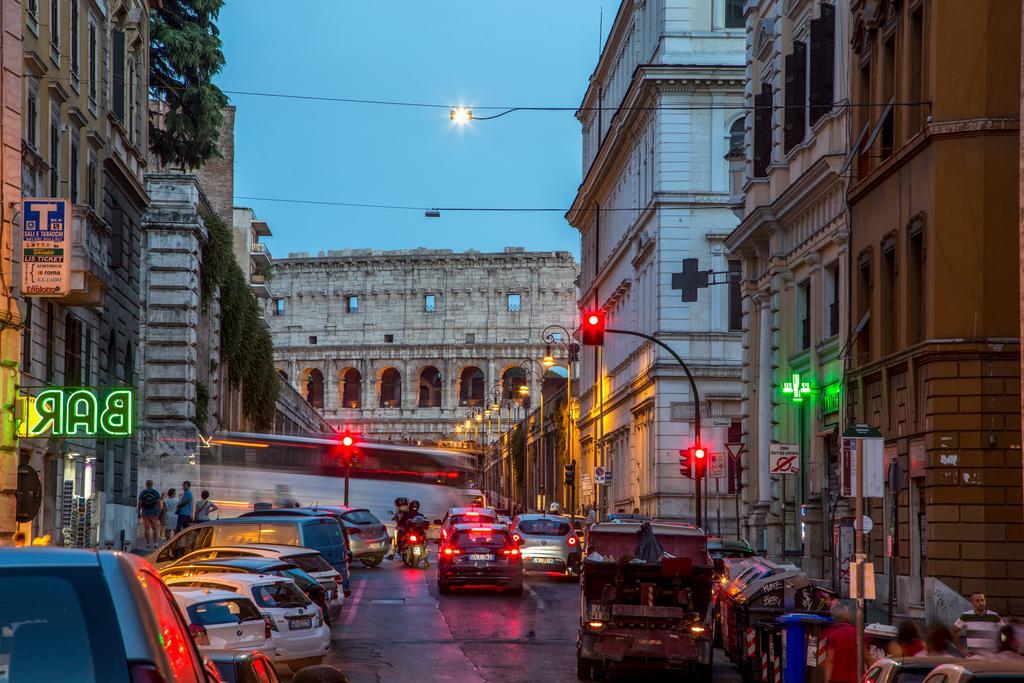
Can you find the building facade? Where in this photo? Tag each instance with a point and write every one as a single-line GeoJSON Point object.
{"type": "Point", "coordinates": [793, 242]}
{"type": "Point", "coordinates": [84, 139]}
{"type": "Point", "coordinates": [934, 354]}
{"type": "Point", "coordinates": [402, 345]}
{"type": "Point", "coordinates": [664, 105]}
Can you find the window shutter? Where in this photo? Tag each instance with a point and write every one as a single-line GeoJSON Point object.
{"type": "Point", "coordinates": [762, 131]}
{"type": "Point", "coordinates": [117, 40]}
{"type": "Point", "coordinates": [796, 96]}
{"type": "Point", "coordinates": [823, 53]}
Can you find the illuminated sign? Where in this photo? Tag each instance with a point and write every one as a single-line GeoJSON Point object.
{"type": "Point", "coordinates": [45, 247]}
{"type": "Point", "coordinates": [830, 399]}
{"type": "Point", "coordinates": [796, 388]}
{"type": "Point", "coordinates": [83, 412]}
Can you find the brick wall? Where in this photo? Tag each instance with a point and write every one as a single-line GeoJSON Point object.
{"type": "Point", "coordinates": [217, 176]}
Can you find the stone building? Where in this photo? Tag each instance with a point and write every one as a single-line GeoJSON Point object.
{"type": "Point", "coordinates": [84, 138]}
{"type": "Point", "coordinates": [401, 345]}
{"type": "Point", "coordinates": [934, 358]}
{"type": "Point", "coordinates": [663, 107]}
{"type": "Point", "coordinates": [792, 240]}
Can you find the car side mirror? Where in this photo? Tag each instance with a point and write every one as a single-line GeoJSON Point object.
{"type": "Point", "coordinates": [437, 522]}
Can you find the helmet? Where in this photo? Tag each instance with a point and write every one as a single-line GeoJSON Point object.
{"type": "Point", "coordinates": [399, 502]}
{"type": "Point", "coordinates": [414, 506]}
{"type": "Point", "coordinates": [554, 507]}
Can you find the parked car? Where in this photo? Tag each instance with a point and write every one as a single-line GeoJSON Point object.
{"type": "Point", "coordinates": [479, 554]}
{"type": "Point", "coordinates": [903, 669]}
{"type": "Point", "coordinates": [365, 535]}
{"type": "Point", "coordinates": [306, 559]}
{"type": "Point", "coordinates": [322, 534]}
{"type": "Point", "coordinates": [244, 667]}
{"type": "Point", "coordinates": [54, 601]}
{"type": "Point", "coordinates": [549, 543]}
{"type": "Point", "coordinates": [299, 635]}
{"type": "Point", "coordinates": [221, 620]}
{"type": "Point", "coordinates": [987, 670]}
{"type": "Point", "coordinates": [319, 596]}
{"type": "Point", "coordinates": [464, 515]}
{"type": "Point", "coordinates": [626, 517]}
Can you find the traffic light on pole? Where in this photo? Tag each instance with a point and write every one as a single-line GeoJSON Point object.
{"type": "Point", "coordinates": [570, 473]}
{"type": "Point", "coordinates": [700, 460]}
{"type": "Point", "coordinates": [347, 447]}
{"type": "Point", "coordinates": [686, 463]}
{"type": "Point", "coordinates": [593, 328]}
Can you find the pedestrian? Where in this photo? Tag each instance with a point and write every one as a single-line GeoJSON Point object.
{"type": "Point", "coordinates": [204, 507]}
{"type": "Point", "coordinates": [936, 643]}
{"type": "Point", "coordinates": [907, 642]}
{"type": "Point", "coordinates": [184, 509]}
{"type": "Point", "coordinates": [980, 626]}
{"type": "Point", "coordinates": [1008, 647]}
{"type": "Point", "coordinates": [148, 510]}
{"type": "Point", "coordinates": [841, 647]}
{"type": "Point", "coordinates": [170, 513]}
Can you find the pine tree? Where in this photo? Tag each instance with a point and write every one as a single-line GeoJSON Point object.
{"type": "Point", "coordinates": [185, 54]}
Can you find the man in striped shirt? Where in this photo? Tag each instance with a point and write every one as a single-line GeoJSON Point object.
{"type": "Point", "coordinates": [980, 628]}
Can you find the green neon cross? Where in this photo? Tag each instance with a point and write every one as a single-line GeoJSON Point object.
{"type": "Point", "coordinates": [796, 388]}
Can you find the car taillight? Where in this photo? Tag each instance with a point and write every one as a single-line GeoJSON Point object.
{"type": "Point", "coordinates": [572, 540]}
{"type": "Point", "coordinates": [413, 538]}
{"type": "Point", "coordinates": [516, 538]}
{"type": "Point", "coordinates": [512, 552]}
{"type": "Point", "coordinates": [199, 634]}
{"type": "Point", "coordinates": [353, 530]}
{"type": "Point", "coordinates": [444, 534]}
{"type": "Point", "coordinates": [147, 673]}
{"type": "Point", "coordinates": [269, 621]}
{"type": "Point", "coordinates": [449, 551]}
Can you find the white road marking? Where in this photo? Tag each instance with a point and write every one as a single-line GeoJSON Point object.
{"type": "Point", "coordinates": [353, 605]}
{"type": "Point", "coordinates": [541, 605]}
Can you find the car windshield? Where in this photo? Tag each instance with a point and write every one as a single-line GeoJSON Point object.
{"type": "Point", "coordinates": [279, 595]}
{"type": "Point", "coordinates": [481, 538]}
{"type": "Point", "coordinates": [43, 609]}
{"type": "Point", "coordinates": [360, 517]}
{"type": "Point", "coordinates": [543, 527]}
{"type": "Point", "coordinates": [312, 562]}
{"type": "Point", "coordinates": [227, 611]}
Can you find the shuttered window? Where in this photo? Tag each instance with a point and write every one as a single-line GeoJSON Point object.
{"type": "Point", "coordinates": [796, 96]}
{"type": "Point", "coordinates": [118, 91]}
{"type": "Point", "coordinates": [823, 54]}
{"type": "Point", "coordinates": [762, 131]}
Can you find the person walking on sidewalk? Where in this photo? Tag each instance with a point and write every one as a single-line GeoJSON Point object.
{"type": "Point", "coordinates": [841, 647]}
{"type": "Point", "coordinates": [184, 510]}
{"type": "Point", "coordinates": [170, 513]}
{"type": "Point", "coordinates": [148, 509]}
{"type": "Point", "coordinates": [980, 626]}
{"type": "Point", "coordinates": [204, 507]}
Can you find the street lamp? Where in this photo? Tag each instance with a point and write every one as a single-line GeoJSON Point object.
{"type": "Point", "coordinates": [556, 334]}
{"type": "Point", "coordinates": [548, 361]}
{"type": "Point", "coordinates": [461, 115]}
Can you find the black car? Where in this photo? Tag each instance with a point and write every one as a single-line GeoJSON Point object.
{"type": "Point", "coordinates": [479, 554]}
{"type": "Point", "coordinates": [244, 667]}
{"type": "Point", "coordinates": [258, 565]}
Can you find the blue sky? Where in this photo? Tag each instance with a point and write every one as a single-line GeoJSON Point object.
{"type": "Point", "coordinates": [528, 52]}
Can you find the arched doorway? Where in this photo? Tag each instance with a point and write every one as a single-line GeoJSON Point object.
{"type": "Point", "coordinates": [471, 386]}
{"type": "Point", "coordinates": [351, 389]}
{"type": "Point", "coordinates": [390, 389]}
{"type": "Point", "coordinates": [430, 387]}
{"type": "Point", "coordinates": [315, 388]}
{"type": "Point", "coordinates": [511, 380]}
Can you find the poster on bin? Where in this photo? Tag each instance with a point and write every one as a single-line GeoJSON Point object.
{"type": "Point", "coordinates": [45, 247]}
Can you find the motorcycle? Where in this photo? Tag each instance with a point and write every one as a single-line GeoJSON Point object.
{"type": "Point", "coordinates": [414, 543]}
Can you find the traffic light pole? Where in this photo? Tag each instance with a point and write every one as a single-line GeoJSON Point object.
{"type": "Point", "coordinates": [696, 405]}
{"type": "Point", "coordinates": [348, 471]}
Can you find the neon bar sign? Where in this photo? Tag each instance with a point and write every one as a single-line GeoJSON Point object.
{"type": "Point", "coordinates": [84, 412]}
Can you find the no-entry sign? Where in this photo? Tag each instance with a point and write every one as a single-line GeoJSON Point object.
{"type": "Point", "coordinates": [784, 458]}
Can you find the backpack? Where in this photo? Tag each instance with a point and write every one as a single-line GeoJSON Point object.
{"type": "Point", "coordinates": [149, 499]}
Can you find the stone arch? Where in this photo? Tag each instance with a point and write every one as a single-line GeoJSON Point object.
{"type": "Point", "coordinates": [314, 384]}
{"type": "Point", "coordinates": [511, 379]}
{"type": "Point", "coordinates": [430, 387]}
{"type": "Point", "coordinates": [390, 388]}
{"type": "Point", "coordinates": [737, 131]}
{"type": "Point", "coordinates": [283, 374]}
{"type": "Point", "coordinates": [472, 386]}
{"type": "Point", "coordinates": [351, 388]}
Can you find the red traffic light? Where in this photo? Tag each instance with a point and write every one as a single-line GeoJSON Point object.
{"type": "Point", "coordinates": [347, 440]}
{"type": "Point", "coordinates": [699, 453]}
{"type": "Point", "coordinates": [593, 328]}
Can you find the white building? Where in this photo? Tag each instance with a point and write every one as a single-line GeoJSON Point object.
{"type": "Point", "coordinates": [664, 106]}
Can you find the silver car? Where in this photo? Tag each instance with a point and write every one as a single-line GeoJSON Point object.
{"type": "Point", "coordinates": [547, 543]}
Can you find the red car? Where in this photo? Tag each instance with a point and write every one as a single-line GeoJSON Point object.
{"type": "Point", "coordinates": [479, 554]}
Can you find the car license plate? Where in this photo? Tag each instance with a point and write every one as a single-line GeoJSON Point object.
{"type": "Point", "coordinates": [481, 558]}
{"type": "Point", "coordinates": [416, 550]}
{"type": "Point", "coordinates": [299, 624]}
{"type": "Point", "coordinates": [376, 546]}
{"type": "Point", "coordinates": [544, 560]}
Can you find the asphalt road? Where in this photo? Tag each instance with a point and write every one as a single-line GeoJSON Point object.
{"type": "Point", "coordinates": [397, 628]}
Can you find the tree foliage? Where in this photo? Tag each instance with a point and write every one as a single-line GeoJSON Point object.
{"type": "Point", "coordinates": [185, 54]}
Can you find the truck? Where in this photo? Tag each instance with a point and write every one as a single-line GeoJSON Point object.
{"type": "Point", "coordinates": [652, 613]}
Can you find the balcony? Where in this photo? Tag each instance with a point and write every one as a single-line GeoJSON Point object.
{"type": "Point", "coordinates": [260, 286]}
{"type": "Point", "coordinates": [90, 259]}
{"type": "Point", "coordinates": [259, 254]}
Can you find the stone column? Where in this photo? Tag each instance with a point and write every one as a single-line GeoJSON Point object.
{"type": "Point", "coordinates": [331, 400]}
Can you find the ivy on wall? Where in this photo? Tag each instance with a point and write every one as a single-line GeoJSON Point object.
{"type": "Point", "coordinates": [245, 342]}
{"type": "Point", "coordinates": [202, 406]}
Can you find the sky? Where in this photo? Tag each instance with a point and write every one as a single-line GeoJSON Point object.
{"type": "Point", "coordinates": [471, 52]}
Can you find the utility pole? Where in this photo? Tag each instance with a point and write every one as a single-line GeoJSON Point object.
{"type": "Point", "coordinates": [858, 554]}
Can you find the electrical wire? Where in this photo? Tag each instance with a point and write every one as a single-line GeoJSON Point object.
{"type": "Point", "coordinates": [406, 207]}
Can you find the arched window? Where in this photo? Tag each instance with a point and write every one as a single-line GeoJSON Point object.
{"type": "Point", "coordinates": [471, 386]}
{"type": "Point", "coordinates": [284, 375]}
{"type": "Point", "coordinates": [351, 389]}
{"type": "Point", "coordinates": [390, 389]}
{"type": "Point", "coordinates": [315, 388]}
{"type": "Point", "coordinates": [736, 133]}
{"type": "Point", "coordinates": [430, 387]}
{"type": "Point", "coordinates": [511, 381]}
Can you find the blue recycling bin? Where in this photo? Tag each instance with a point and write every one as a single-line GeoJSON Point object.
{"type": "Point", "coordinates": [797, 663]}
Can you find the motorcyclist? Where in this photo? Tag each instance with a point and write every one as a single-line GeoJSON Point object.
{"type": "Point", "coordinates": [401, 507]}
{"type": "Point", "coordinates": [554, 508]}
{"type": "Point", "coordinates": [411, 513]}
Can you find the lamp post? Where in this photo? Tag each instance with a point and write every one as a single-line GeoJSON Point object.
{"type": "Point", "coordinates": [524, 391]}
{"type": "Point", "coordinates": [564, 339]}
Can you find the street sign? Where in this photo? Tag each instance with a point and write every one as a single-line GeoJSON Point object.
{"type": "Point", "coordinates": [45, 247]}
{"type": "Point", "coordinates": [717, 469]}
{"type": "Point", "coordinates": [585, 481]}
{"type": "Point", "coordinates": [862, 574]}
{"type": "Point", "coordinates": [599, 474]}
{"type": "Point", "coordinates": [736, 450]}
{"type": "Point", "coordinates": [784, 458]}
{"type": "Point", "coordinates": [873, 454]}
{"type": "Point", "coordinates": [721, 422]}
{"type": "Point", "coordinates": [866, 524]}
{"type": "Point", "coordinates": [607, 476]}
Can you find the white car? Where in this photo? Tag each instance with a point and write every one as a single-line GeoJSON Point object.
{"type": "Point", "coordinates": [222, 621]}
{"type": "Point", "coordinates": [306, 559]}
{"type": "Point", "coordinates": [299, 635]}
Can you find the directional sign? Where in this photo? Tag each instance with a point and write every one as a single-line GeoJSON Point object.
{"type": "Point", "coordinates": [45, 247]}
{"type": "Point", "coordinates": [872, 453]}
{"type": "Point", "coordinates": [721, 422]}
{"type": "Point", "coordinates": [717, 469]}
{"type": "Point", "coordinates": [784, 458]}
{"type": "Point", "coordinates": [599, 474]}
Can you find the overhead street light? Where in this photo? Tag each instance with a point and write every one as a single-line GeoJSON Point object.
{"type": "Point", "coordinates": [461, 115]}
